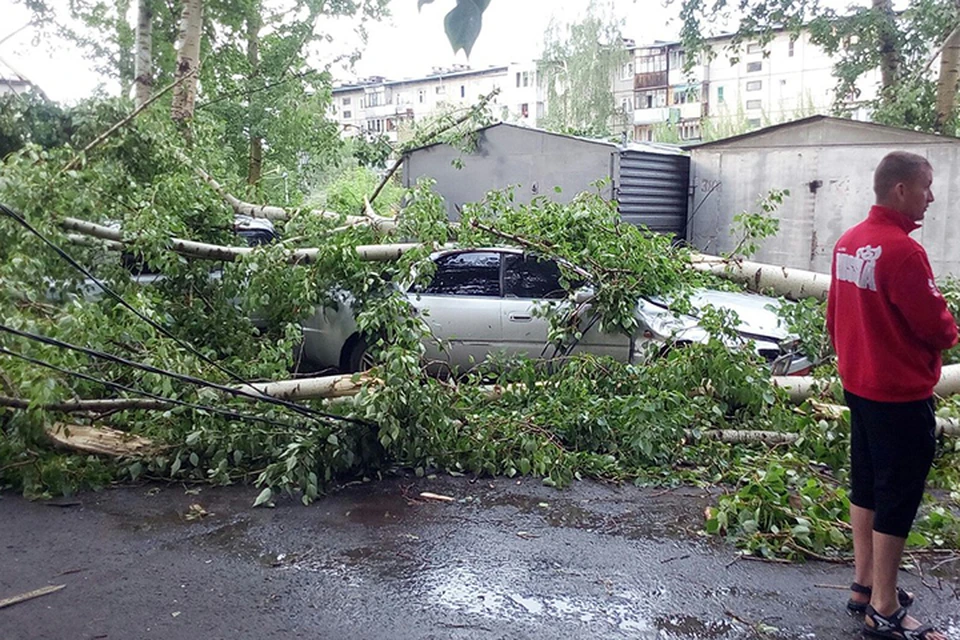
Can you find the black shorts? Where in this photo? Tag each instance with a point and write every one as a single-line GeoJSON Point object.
{"type": "Point", "coordinates": [891, 449]}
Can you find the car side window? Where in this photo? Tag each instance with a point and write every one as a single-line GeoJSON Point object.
{"type": "Point", "coordinates": [529, 276]}
{"type": "Point", "coordinates": [473, 273]}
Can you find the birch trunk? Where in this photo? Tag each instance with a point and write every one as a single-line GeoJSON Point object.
{"type": "Point", "coordinates": [794, 284]}
{"type": "Point", "coordinates": [255, 114]}
{"type": "Point", "coordinates": [947, 84]}
{"type": "Point", "coordinates": [220, 253]}
{"type": "Point", "coordinates": [307, 388]}
{"type": "Point", "coordinates": [188, 59]}
{"type": "Point", "coordinates": [100, 440]}
{"type": "Point", "coordinates": [143, 63]}
{"type": "Point", "coordinates": [801, 388]}
{"type": "Point", "coordinates": [889, 51]}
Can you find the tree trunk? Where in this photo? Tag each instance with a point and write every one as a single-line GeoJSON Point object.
{"type": "Point", "coordinates": [143, 71]}
{"type": "Point", "coordinates": [799, 388]}
{"type": "Point", "coordinates": [125, 36]}
{"type": "Point", "coordinates": [188, 59]}
{"type": "Point", "coordinates": [794, 284]}
{"type": "Point", "coordinates": [255, 164]}
{"type": "Point", "coordinates": [889, 50]}
{"type": "Point", "coordinates": [948, 81]}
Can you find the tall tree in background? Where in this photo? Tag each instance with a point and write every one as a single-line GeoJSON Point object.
{"type": "Point", "coordinates": [188, 60]}
{"type": "Point", "coordinates": [867, 36]}
{"type": "Point", "coordinates": [143, 61]}
{"type": "Point", "coordinates": [577, 66]}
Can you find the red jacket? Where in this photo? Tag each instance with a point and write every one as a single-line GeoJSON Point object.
{"type": "Point", "coordinates": [886, 317]}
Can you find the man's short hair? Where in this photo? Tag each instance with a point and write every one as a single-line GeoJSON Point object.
{"type": "Point", "coordinates": [897, 167]}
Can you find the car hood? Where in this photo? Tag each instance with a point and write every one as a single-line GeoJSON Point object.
{"type": "Point", "coordinates": [757, 313]}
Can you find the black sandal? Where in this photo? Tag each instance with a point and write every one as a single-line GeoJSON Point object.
{"type": "Point", "coordinates": [892, 626]}
{"type": "Point", "coordinates": [904, 598]}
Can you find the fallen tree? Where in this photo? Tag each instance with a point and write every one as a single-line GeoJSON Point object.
{"type": "Point", "coordinates": [800, 388]}
{"type": "Point", "coordinates": [794, 284]}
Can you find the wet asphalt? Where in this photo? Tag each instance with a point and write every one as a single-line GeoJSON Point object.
{"type": "Point", "coordinates": [506, 559]}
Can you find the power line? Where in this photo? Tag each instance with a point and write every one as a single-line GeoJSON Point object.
{"type": "Point", "coordinates": [147, 394]}
{"type": "Point", "coordinates": [316, 415]}
{"type": "Point", "coordinates": [305, 411]}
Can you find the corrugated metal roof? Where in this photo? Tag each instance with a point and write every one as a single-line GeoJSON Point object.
{"type": "Point", "coordinates": [811, 120]}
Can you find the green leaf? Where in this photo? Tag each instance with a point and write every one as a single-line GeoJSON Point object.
{"type": "Point", "coordinates": [463, 24]}
{"type": "Point", "coordinates": [264, 497]}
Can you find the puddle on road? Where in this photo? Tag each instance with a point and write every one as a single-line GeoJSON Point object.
{"type": "Point", "coordinates": [621, 610]}
{"type": "Point", "coordinates": [635, 525]}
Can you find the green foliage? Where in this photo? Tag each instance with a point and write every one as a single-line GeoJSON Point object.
{"type": "Point", "coordinates": [576, 67]}
{"type": "Point", "coordinates": [754, 227]}
{"type": "Point", "coordinates": [463, 23]}
{"type": "Point", "coordinates": [347, 191]}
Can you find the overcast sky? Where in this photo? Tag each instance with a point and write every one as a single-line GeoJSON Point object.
{"type": "Point", "coordinates": [407, 44]}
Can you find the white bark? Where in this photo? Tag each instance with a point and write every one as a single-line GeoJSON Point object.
{"type": "Point", "coordinates": [100, 440]}
{"type": "Point", "coordinates": [732, 436]}
{"type": "Point", "coordinates": [945, 426]}
{"type": "Point", "coordinates": [143, 62]}
{"type": "Point", "coordinates": [307, 388]}
{"type": "Point", "coordinates": [948, 80]}
{"type": "Point", "coordinates": [188, 59]}
{"type": "Point", "coordinates": [220, 253]}
{"type": "Point", "coordinates": [802, 387]}
{"type": "Point", "coordinates": [794, 284]}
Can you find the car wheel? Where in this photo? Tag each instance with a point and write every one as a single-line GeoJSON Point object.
{"type": "Point", "coordinates": [359, 357]}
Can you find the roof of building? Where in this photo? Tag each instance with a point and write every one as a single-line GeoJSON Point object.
{"type": "Point", "coordinates": [868, 130]}
{"type": "Point", "coordinates": [647, 147]}
{"type": "Point", "coordinates": [427, 78]}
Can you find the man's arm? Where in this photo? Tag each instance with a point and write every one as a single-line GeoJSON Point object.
{"type": "Point", "coordinates": [916, 295]}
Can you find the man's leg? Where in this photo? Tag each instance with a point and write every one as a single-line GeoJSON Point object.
{"type": "Point", "coordinates": [887, 552]}
{"type": "Point", "coordinates": [862, 521]}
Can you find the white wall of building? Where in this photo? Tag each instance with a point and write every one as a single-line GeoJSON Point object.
{"type": "Point", "coordinates": [388, 107]}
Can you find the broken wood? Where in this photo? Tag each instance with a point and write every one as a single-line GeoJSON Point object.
{"type": "Point", "coordinates": [732, 436]}
{"type": "Point", "coordinates": [30, 595]}
{"type": "Point", "coordinates": [100, 440]}
{"type": "Point", "coordinates": [306, 388]}
{"type": "Point", "coordinates": [436, 496]}
{"type": "Point", "coordinates": [795, 284]}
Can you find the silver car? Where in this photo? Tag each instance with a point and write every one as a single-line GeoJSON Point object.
{"type": "Point", "coordinates": [482, 302]}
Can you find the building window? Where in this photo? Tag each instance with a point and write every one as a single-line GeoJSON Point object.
{"type": "Point", "coordinates": [390, 125]}
{"type": "Point", "coordinates": [676, 58]}
{"type": "Point", "coordinates": [441, 90]}
{"type": "Point", "coordinates": [526, 79]}
{"type": "Point", "coordinates": [524, 110]}
{"type": "Point", "coordinates": [753, 123]}
{"type": "Point", "coordinates": [790, 48]}
{"type": "Point", "coordinates": [753, 104]}
{"type": "Point", "coordinates": [754, 47]}
{"type": "Point", "coordinates": [346, 102]}
{"type": "Point", "coordinates": [518, 79]}
{"type": "Point", "coordinates": [626, 71]}
{"type": "Point", "coordinates": [463, 91]}
{"type": "Point", "coordinates": [719, 94]}
{"type": "Point", "coordinates": [541, 110]}
{"type": "Point", "coordinates": [754, 66]}
{"type": "Point", "coordinates": [347, 115]}
{"type": "Point", "coordinates": [686, 96]}
{"type": "Point", "coordinates": [754, 85]}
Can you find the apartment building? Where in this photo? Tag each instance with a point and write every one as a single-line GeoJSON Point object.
{"type": "Point", "coordinates": [387, 107]}
{"type": "Point", "coordinates": [782, 80]}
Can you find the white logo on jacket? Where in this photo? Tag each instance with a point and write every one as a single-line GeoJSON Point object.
{"type": "Point", "coordinates": [861, 268]}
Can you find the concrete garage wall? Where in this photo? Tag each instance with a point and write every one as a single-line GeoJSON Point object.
{"type": "Point", "coordinates": [535, 160]}
{"type": "Point", "coordinates": [827, 164]}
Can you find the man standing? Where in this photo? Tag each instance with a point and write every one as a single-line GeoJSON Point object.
{"type": "Point", "coordinates": [889, 324]}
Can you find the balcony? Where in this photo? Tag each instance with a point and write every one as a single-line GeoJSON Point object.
{"type": "Point", "coordinates": [650, 80]}
{"type": "Point", "coordinates": [651, 116]}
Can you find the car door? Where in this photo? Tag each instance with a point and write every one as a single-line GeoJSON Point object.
{"type": "Point", "coordinates": [462, 307]}
{"type": "Point", "coordinates": [530, 284]}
